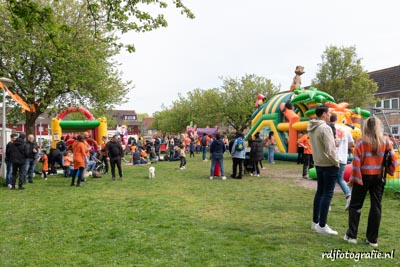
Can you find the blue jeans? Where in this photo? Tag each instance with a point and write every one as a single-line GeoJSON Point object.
{"type": "Point", "coordinates": [29, 168]}
{"type": "Point", "coordinates": [9, 172]}
{"type": "Point", "coordinates": [271, 150]}
{"type": "Point", "coordinates": [325, 186]}
{"type": "Point", "coordinates": [221, 166]}
{"type": "Point", "coordinates": [204, 152]}
{"type": "Point", "coordinates": [341, 182]}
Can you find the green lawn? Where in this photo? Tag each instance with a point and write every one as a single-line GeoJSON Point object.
{"type": "Point", "coordinates": [180, 218]}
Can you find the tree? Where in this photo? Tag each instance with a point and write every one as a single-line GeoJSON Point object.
{"type": "Point", "coordinates": [342, 76]}
{"type": "Point", "coordinates": [232, 104]}
{"type": "Point", "coordinates": [239, 97]}
{"type": "Point", "coordinates": [59, 53]}
{"type": "Point", "coordinates": [50, 53]}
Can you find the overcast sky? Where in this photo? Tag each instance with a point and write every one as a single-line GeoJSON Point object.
{"type": "Point", "coordinates": [231, 38]}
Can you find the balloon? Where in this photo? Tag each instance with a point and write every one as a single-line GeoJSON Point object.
{"type": "Point", "coordinates": [347, 172]}
{"type": "Point", "coordinates": [312, 173]}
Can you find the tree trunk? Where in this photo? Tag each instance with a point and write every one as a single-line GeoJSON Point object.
{"type": "Point", "coordinates": [30, 119]}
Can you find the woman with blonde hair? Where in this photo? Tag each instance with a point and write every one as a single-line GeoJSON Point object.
{"type": "Point", "coordinates": [366, 177]}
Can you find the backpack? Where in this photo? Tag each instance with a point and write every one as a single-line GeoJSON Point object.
{"type": "Point", "coordinates": [240, 145]}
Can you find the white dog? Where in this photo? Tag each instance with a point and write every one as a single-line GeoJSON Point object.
{"type": "Point", "coordinates": [152, 172]}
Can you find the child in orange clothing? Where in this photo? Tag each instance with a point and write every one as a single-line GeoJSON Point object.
{"type": "Point", "coordinates": [67, 163]}
{"type": "Point", "coordinates": [45, 164]}
{"type": "Point", "coordinates": [304, 142]}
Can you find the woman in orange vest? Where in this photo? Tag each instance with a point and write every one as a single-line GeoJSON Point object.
{"type": "Point", "coordinates": [79, 151]}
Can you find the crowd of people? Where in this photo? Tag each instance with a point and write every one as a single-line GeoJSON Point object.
{"type": "Point", "coordinates": [75, 156]}
{"type": "Point", "coordinates": [324, 146]}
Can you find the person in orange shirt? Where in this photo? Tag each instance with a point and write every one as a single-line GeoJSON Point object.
{"type": "Point", "coordinates": [79, 151]}
{"type": "Point", "coordinates": [45, 164]}
{"type": "Point", "coordinates": [304, 142]}
{"type": "Point", "coordinates": [67, 163]}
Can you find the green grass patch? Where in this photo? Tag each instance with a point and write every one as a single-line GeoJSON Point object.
{"type": "Point", "coordinates": [180, 218]}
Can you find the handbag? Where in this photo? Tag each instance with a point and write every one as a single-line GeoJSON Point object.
{"type": "Point", "coordinates": [387, 159]}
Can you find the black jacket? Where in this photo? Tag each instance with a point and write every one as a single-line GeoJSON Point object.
{"type": "Point", "coordinates": [114, 150]}
{"type": "Point", "coordinates": [257, 149]}
{"type": "Point", "coordinates": [29, 146]}
{"type": "Point", "coordinates": [217, 149]}
{"type": "Point", "coordinates": [17, 151]}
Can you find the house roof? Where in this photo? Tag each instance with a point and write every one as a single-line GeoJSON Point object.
{"type": "Point", "coordinates": [388, 80]}
{"type": "Point", "coordinates": [146, 123]}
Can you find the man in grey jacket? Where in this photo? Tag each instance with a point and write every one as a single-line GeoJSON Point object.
{"type": "Point", "coordinates": [327, 166]}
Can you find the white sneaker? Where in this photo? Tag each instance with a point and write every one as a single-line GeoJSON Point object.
{"type": "Point", "coordinates": [371, 244]}
{"type": "Point", "coordinates": [181, 168]}
{"type": "Point", "coordinates": [223, 177]}
{"type": "Point", "coordinates": [211, 177]}
{"type": "Point", "coordinates": [325, 230]}
{"type": "Point", "coordinates": [314, 226]}
{"type": "Point", "coordinates": [349, 239]}
{"type": "Point", "coordinates": [258, 175]}
{"type": "Point", "coordinates": [251, 174]}
{"type": "Point", "coordinates": [347, 203]}
{"type": "Point", "coordinates": [9, 186]}
{"type": "Point", "coordinates": [330, 207]}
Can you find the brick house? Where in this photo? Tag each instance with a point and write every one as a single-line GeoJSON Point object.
{"type": "Point", "coordinates": [387, 108]}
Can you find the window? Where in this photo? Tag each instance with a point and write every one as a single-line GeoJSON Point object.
{"type": "Point", "coordinates": [390, 103]}
{"type": "Point", "coordinates": [395, 130]}
{"type": "Point", "coordinates": [395, 103]}
{"type": "Point", "coordinates": [129, 117]}
{"type": "Point", "coordinates": [386, 103]}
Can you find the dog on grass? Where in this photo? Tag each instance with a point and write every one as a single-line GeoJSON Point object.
{"type": "Point", "coordinates": [152, 172]}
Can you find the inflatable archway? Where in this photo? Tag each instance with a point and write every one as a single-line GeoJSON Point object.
{"type": "Point", "coordinates": [58, 124]}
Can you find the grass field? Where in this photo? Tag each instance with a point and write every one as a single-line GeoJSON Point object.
{"type": "Point", "coordinates": [181, 218]}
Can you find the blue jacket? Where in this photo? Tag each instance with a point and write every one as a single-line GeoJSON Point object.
{"type": "Point", "coordinates": [238, 154]}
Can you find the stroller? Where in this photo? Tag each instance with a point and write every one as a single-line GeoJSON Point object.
{"type": "Point", "coordinates": [99, 167]}
{"type": "Point", "coordinates": [248, 166]}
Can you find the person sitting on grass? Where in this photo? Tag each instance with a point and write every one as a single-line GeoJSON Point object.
{"type": "Point", "coordinates": [137, 159]}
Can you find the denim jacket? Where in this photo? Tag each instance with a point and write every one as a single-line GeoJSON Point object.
{"type": "Point", "coordinates": [238, 154]}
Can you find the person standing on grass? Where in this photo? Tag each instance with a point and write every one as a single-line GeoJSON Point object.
{"type": "Point", "coordinates": [217, 150]}
{"type": "Point", "coordinates": [204, 143]}
{"type": "Point", "coordinates": [343, 141]}
{"type": "Point", "coordinates": [257, 153]}
{"type": "Point", "coordinates": [115, 153]}
{"type": "Point", "coordinates": [45, 164]}
{"type": "Point", "coordinates": [366, 177]}
{"type": "Point", "coordinates": [182, 157]}
{"type": "Point", "coordinates": [327, 166]}
{"type": "Point", "coordinates": [8, 160]}
{"type": "Point", "coordinates": [238, 155]}
{"type": "Point", "coordinates": [305, 143]}
{"type": "Point", "coordinates": [31, 150]}
{"type": "Point", "coordinates": [79, 158]}
{"type": "Point", "coordinates": [104, 153]}
{"type": "Point", "coordinates": [18, 156]}
{"type": "Point", "coordinates": [271, 147]}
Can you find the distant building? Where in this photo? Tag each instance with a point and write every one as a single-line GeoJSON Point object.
{"type": "Point", "coordinates": [147, 128]}
{"type": "Point", "coordinates": [124, 117]}
{"type": "Point", "coordinates": [387, 108]}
